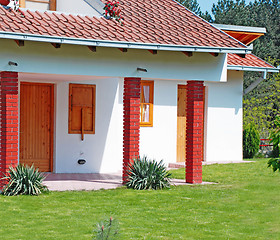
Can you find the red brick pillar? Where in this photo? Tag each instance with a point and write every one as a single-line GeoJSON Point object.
{"type": "Point", "coordinates": [194, 131]}
{"type": "Point", "coordinates": [131, 122]}
{"type": "Point", "coordinates": [9, 124]}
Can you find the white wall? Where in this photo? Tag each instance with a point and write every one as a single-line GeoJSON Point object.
{"type": "Point", "coordinates": [160, 141]}
{"type": "Point", "coordinates": [102, 150]}
{"type": "Point", "coordinates": [36, 5]}
{"type": "Point", "coordinates": [36, 57]}
{"type": "Point", "coordinates": [105, 68]}
{"type": "Point", "coordinates": [224, 119]}
{"type": "Point", "coordinates": [78, 7]}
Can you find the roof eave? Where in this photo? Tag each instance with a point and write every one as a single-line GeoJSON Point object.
{"type": "Point", "coordinates": [117, 44]}
{"type": "Point", "coordinates": [238, 28]}
{"type": "Point", "coordinates": [252, 69]}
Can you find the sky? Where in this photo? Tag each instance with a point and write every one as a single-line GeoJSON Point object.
{"type": "Point", "coordinates": [207, 4]}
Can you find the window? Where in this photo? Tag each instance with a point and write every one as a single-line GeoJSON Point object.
{"type": "Point", "coordinates": [146, 101]}
{"type": "Point", "coordinates": [81, 109]}
{"type": "Point", "coordinates": [38, 4]}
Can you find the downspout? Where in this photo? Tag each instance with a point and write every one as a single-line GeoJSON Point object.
{"type": "Point", "coordinates": [253, 85]}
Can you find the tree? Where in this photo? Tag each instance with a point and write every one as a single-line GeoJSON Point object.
{"type": "Point", "coordinates": [262, 104]}
{"type": "Point", "coordinates": [191, 5]}
{"type": "Point", "coordinates": [230, 12]}
{"type": "Point", "coordinates": [266, 13]}
{"type": "Point", "coordinates": [260, 13]}
{"type": "Point", "coordinates": [194, 7]}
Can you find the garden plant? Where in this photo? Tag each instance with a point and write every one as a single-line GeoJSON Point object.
{"type": "Point", "coordinates": [148, 174]}
{"type": "Point", "coordinates": [275, 140]}
{"type": "Point", "coordinates": [107, 229]}
{"type": "Point", "coordinates": [251, 140]}
{"type": "Point", "coordinates": [24, 180]}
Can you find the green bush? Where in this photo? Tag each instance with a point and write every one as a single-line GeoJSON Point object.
{"type": "Point", "coordinates": [108, 229]}
{"type": "Point", "coordinates": [146, 174]}
{"type": "Point", "coordinates": [24, 180]}
{"type": "Point", "coordinates": [275, 140]}
{"type": "Point", "coordinates": [274, 163]}
{"type": "Point", "coordinates": [251, 141]}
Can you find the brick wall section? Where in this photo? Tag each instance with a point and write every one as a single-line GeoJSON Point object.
{"type": "Point", "coordinates": [9, 122]}
{"type": "Point", "coordinates": [194, 131]}
{"type": "Point", "coordinates": [131, 122]}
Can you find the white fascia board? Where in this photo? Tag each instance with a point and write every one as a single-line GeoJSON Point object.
{"type": "Point", "coordinates": [238, 28]}
{"type": "Point", "coordinates": [116, 44]}
{"type": "Point", "coordinates": [252, 69]}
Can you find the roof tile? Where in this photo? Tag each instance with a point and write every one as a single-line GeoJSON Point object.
{"type": "Point", "coordinates": [148, 21]}
{"type": "Point", "coordinates": [250, 60]}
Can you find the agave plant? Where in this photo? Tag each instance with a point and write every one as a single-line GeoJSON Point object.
{"type": "Point", "coordinates": [24, 180]}
{"type": "Point", "coordinates": [146, 174]}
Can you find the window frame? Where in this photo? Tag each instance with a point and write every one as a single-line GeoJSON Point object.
{"type": "Point", "coordinates": [70, 130]}
{"type": "Point", "coordinates": [151, 102]}
{"type": "Point", "coordinates": [52, 3]}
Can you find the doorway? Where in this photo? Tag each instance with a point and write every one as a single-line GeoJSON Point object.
{"type": "Point", "coordinates": [36, 125]}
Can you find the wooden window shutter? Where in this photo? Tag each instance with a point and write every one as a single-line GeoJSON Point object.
{"type": "Point", "coordinates": [52, 3]}
{"type": "Point", "coordinates": [81, 109]}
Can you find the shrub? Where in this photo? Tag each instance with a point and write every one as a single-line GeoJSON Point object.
{"type": "Point", "coordinates": [274, 163]}
{"type": "Point", "coordinates": [107, 229]}
{"type": "Point", "coordinates": [24, 180]}
{"type": "Point", "coordinates": [275, 140]}
{"type": "Point", "coordinates": [146, 174]}
{"type": "Point", "coordinates": [251, 141]}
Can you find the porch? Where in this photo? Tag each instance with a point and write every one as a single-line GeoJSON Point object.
{"type": "Point", "coordinates": [64, 152]}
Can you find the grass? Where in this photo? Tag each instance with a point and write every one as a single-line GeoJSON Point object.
{"type": "Point", "coordinates": [244, 205]}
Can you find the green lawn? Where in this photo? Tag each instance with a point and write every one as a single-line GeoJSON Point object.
{"type": "Point", "coordinates": [243, 205]}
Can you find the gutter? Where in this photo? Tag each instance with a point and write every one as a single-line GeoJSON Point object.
{"type": "Point", "coordinates": [252, 69]}
{"type": "Point", "coordinates": [119, 44]}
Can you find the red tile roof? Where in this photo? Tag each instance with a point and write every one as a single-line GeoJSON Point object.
{"type": "Point", "coordinates": [145, 21]}
{"type": "Point", "coordinates": [250, 60]}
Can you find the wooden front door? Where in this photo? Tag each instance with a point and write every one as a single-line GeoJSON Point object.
{"type": "Point", "coordinates": [36, 125]}
{"type": "Point", "coordinates": [181, 123]}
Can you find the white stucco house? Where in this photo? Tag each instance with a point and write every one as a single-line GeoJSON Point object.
{"type": "Point", "coordinates": [80, 93]}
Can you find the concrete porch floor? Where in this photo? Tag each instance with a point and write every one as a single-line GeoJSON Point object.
{"type": "Point", "coordinates": [90, 181]}
{"type": "Point", "coordinates": [96, 181]}
{"type": "Point", "coordinates": [78, 182]}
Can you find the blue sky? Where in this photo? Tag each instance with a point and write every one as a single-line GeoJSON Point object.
{"type": "Point", "coordinates": [207, 4]}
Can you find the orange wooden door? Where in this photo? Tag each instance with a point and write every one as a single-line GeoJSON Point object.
{"type": "Point", "coordinates": [36, 125]}
{"type": "Point", "coordinates": [181, 123]}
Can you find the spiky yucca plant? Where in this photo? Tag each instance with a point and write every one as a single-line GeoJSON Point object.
{"type": "Point", "coordinates": [148, 174]}
{"type": "Point", "coordinates": [24, 180]}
